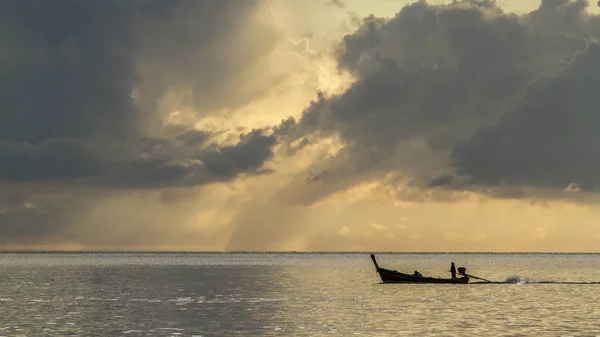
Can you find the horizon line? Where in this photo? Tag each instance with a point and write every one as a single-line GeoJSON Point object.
{"type": "Point", "coordinates": [9, 251]}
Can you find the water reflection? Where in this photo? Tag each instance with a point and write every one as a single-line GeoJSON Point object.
{"type": "Point", "coordinates": [289, 295]}
{"type": "Point", "coordinates": [108, 301]}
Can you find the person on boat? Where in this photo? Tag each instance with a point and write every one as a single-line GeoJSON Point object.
{"type": "Point", "coordinates": [417, 274]}
{"type": "Point", "coordinates": [453, 270]}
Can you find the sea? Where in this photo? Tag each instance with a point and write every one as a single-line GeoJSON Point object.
{"type": "Point", "coordinates": [295, 294]}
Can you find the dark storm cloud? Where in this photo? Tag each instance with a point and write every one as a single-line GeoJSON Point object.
{"type": "Point", "coordinates": [69, 68]}
{"type": "Point", "coordinates": [147, 162]}
{"type": "Point", "coordinates": [66, 70]}
{"type": "Point", "coordinates": [52, 159]}
{"type": "Point", "coordinates": [549, 138]}
{"type": "Point", "coordinates": [435, 75]}
{"type": "Point", "coordinates": [82, 118]}
{"type": "Point", "coordinates": [80, 83]}
{"type": "Point", "coordinates": [249, 155]}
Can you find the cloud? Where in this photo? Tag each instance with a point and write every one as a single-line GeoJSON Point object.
{"type": "Point", "coordinates": [86, 88]}
{"type": "Point", "coordinates": [377, 226]}
{"type": "Point", "coordinates": [66, 70]}
{"type": "Point", "coordinates": [338, 3]}
{"type": "Point", "coordinates": [47, 217]}
{"type": "Point", "coordinates": [100, 106]}
{"type": "Point", "coordinates": [87, 70]}
{"type": "Point", "coordinates": [149, 162]}
{"type": "Point", "coordinates": [548, 138]}
{"type": "Point", "coordinates": [30, 220]}
{"type": "Point", "coordinates": [344, 230]}
{"type": "Point", "coordinates": [118, 117]}
{"type": "Point", "coordinates": [214, 56]}
{"type": "Point", "coordinates": [462, 94]}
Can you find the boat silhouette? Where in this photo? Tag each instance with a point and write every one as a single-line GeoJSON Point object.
{"type": "Point", "coordinates": [393, 276]}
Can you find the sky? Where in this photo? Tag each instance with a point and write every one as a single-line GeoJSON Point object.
{"type": "Point", "coordinates": [315, 125]}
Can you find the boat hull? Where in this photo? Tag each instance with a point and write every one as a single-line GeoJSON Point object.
{"type": "Point", "coordinates": [393, 276]}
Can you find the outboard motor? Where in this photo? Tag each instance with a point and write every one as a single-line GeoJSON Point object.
{"type": "Point", "coordinates": [463, 271]}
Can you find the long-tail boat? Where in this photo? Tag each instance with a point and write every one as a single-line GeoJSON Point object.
{"type": "Point", "coordinates": [393, 276]}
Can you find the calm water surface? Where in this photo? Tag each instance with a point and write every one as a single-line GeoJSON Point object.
{"type": "Point", "coordinates": [288, 294]}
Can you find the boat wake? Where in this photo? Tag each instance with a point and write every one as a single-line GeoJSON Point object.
{"type": "Point", "coordinates": [515, 279]}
